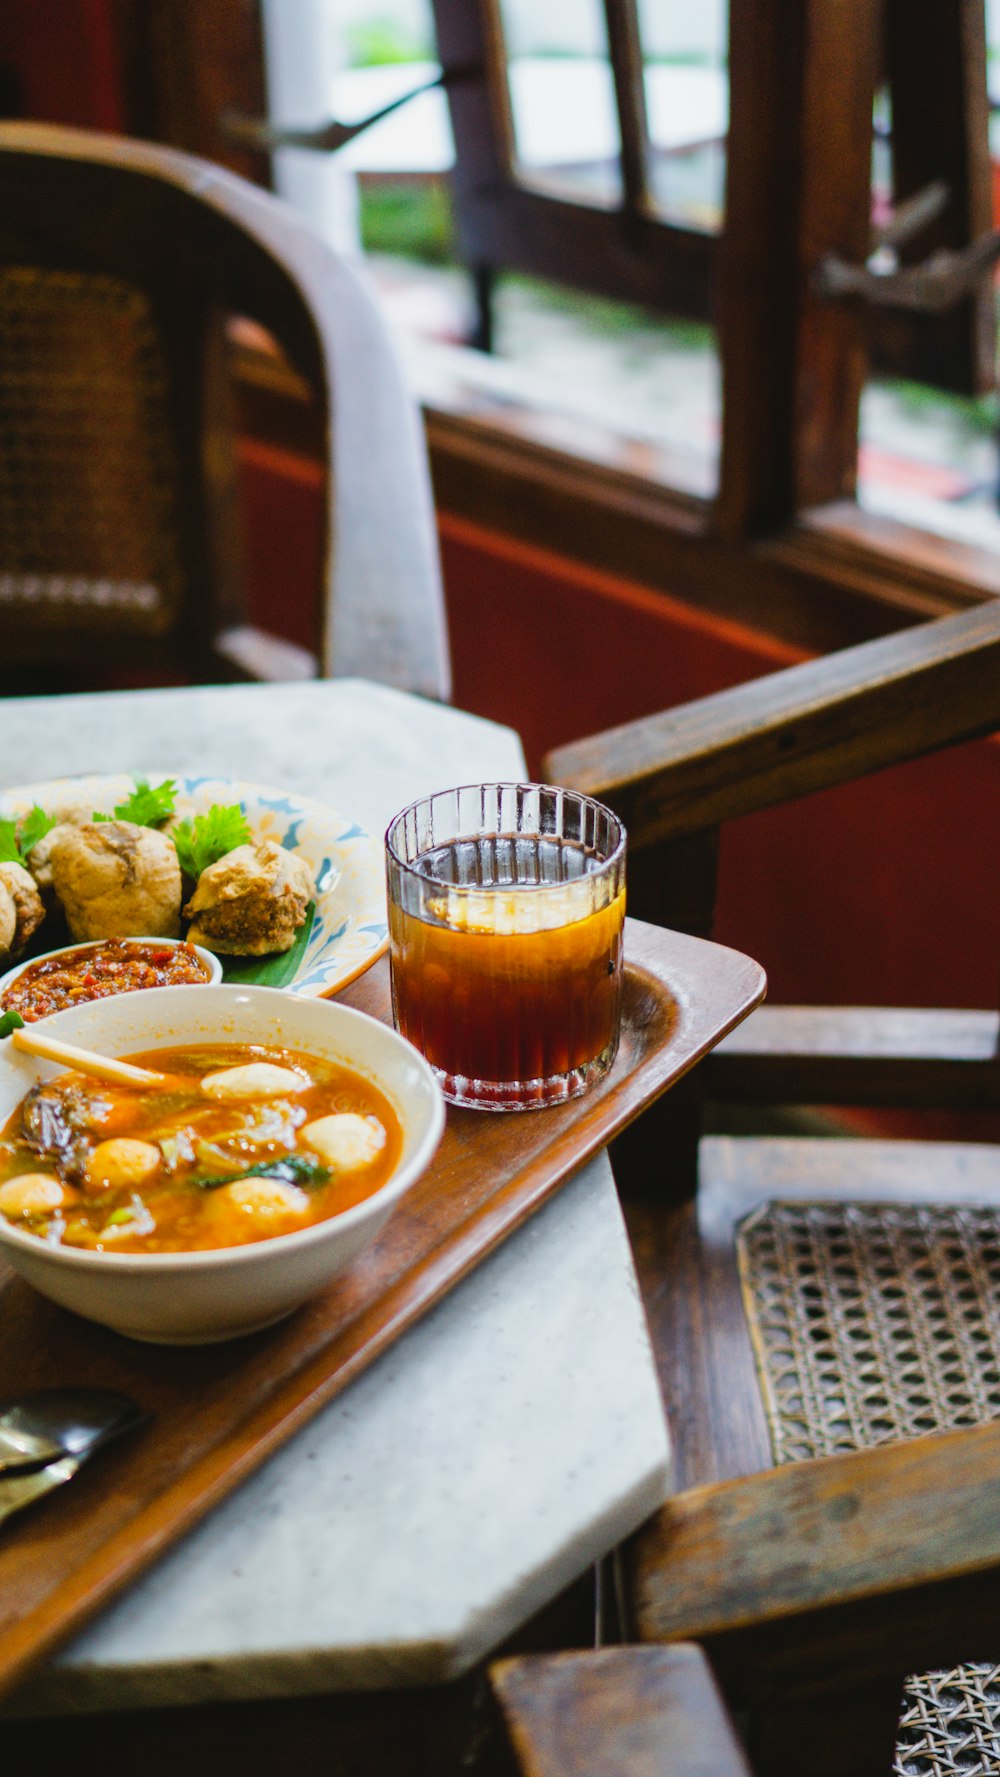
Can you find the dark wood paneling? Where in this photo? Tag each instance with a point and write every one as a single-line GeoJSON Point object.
{"type": "Point", "coordinates": [183, 66]}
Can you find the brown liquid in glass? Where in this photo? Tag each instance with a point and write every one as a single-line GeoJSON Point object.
{"type": "Point", "coordinates": [483, 999]}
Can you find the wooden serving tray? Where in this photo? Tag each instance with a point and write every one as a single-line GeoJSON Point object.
{"type": "Point", "coordinates": [216, 1412]}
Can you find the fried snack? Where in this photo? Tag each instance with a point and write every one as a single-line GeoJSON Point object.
{"type": "Point", "coordinates": [72, 812]}
{"type": "Point", "coordinates": [29, 910]}
{"type": "Point", "coordinates": [117, 880]}
{"type": "Point", "coordinates": [252, 902]}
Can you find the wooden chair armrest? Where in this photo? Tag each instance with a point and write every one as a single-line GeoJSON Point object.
{"type": "Point", "coordinates": [617, 1712]}
{"type": "Point", "coordinates": [860, 1055]}
{"type": "Point", "coordinates": [814, 1588]}
{"type": "Point", "coordinates": [803, 729]}
{"type": "Point", "coordinates": [895, 1552]}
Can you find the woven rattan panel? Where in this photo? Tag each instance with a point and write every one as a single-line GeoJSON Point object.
{"type": "Point", "coordinates": [88, 500]}
{"type": "Point", "coordinates": [872, 1322]}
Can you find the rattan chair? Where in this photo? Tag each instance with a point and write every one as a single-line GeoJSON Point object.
{"type": "Point", "coordinates": [122, 267]}
{"type": "Point", "coordinates": [811, 1297]}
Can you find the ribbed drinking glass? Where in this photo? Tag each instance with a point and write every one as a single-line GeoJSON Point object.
{"type": "Point", "coordinates": [506, 914]}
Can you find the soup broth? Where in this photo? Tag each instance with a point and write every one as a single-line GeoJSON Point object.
{"type": "Point", "coordinates": [243, 1142]}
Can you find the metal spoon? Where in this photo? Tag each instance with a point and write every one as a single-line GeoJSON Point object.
{"type": "Point", "coordinates": [61, 1422]}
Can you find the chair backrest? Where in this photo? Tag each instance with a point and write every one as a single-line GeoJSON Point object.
{"type": "Point", "coordinates": [121, 265]}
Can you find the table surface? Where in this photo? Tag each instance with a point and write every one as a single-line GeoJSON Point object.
{"type": "Point", "coordinates": [508, 1441]}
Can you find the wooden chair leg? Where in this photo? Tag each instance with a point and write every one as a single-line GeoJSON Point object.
{"type": "Point", "coordinates": [617, 1712]}
{"type": "Point", "coordinates": [658, 1712]}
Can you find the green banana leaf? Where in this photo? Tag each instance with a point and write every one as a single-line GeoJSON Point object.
{"type": "Point", "coordinates": [270, 971]}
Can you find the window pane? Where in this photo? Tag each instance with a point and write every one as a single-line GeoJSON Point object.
{"type": "Point", "coordinates": [636, 389]}
{"type": "Point", "coordinates": [387, 49]}
{"type": "Point", "coordinates": [562, 98]}
{"type": "Point", "coordinates": [928, 458]}
{"type": "Point", "coordinates": [993, 72]}
{"type": "Point", "coordinates": [685, 52]}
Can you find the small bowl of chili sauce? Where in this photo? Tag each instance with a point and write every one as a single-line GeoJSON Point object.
{"type": "Point", "coordinates": [105, 966]}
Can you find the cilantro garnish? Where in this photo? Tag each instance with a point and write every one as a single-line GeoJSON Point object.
{"type": "Point", "coordinates": [10, 1021]}
{"type": "Point", "coordinates": [145, 807]}
{"type": "Point", "coordinates": [17, 840]}
{"type": "Point", "coordinates": [291, 1169]}
{"type": "Point", "coordinates": [208, 837]}
{"type": "Point", "coordinates": [34, 827]}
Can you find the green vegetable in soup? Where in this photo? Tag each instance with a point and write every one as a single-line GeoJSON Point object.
{"type": "Point", "coordinates": [291, 1169]}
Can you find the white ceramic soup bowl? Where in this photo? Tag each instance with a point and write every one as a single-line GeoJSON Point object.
{"type": "Point", "coordinates": [198, 1298]}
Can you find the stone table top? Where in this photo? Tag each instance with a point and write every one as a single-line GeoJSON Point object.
{"type": "Point", "coordinates": [503, 1445]}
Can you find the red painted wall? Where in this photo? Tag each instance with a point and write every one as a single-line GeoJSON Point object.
{"type": "Point", "coordinates": [64, 56]}
{"type": "Point", "coordinates": [282, 515]}
{"type": "Point", "coordinates": [559, 650]}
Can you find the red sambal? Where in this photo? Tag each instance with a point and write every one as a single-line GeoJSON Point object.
{"type": "Point", "coordinates": [119, 965]}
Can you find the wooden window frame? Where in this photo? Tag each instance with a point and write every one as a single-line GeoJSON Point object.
{"type": "Point", "coordinates": [803, 79]}
{"type": "Point", "coordinates": [625, 251]}
{"type": "Point", "coordinates": [783, 545]}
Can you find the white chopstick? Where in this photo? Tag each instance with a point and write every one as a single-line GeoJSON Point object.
{"type": "Point", "coordinates": [102, 1067]}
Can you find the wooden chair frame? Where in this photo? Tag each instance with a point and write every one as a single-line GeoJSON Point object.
{"type": "Point", "coordinates": [204, 245]}
{"type": "Point", "coordinates": [816, 1587]}
{"type": "Point", "coordinates": [814, 1590]}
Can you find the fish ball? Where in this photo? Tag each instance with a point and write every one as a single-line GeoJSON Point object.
{"type": "Point", "coordinates": [345, 1141]}
{"type": "Point", "coordinates": [266, 1199]}
{"type": "Point", "coordinates": [32, 1194]}
{"type": "Point", "coordinates": [122, 1161]}
{"type": "Point", "coordinates": [257, 1079]}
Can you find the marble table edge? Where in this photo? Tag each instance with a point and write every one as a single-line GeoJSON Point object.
{"type": "Point", "coordinates": [317, 1671]}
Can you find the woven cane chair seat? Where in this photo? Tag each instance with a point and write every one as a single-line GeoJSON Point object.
{"type": "Point", "coordinates": [870, 1323]}
{"type": "Point", "coordinates": [88, 484]}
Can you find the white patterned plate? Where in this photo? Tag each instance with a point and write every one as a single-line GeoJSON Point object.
{"type": "Point", "coordinates": [349, 931]}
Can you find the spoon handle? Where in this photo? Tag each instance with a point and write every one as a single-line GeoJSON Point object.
{"type": "Point", "coordinates": [18, 1491]}
{"type": "Point", "coordinates": [25, 1452]}
{"type": "Point", "coordinates": [102, 1067]}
